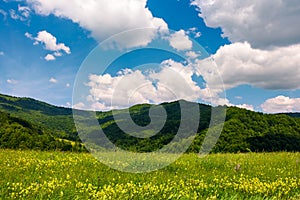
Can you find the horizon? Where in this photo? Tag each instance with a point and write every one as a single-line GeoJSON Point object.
{"type": "Point", "coordinates": [65, 107]}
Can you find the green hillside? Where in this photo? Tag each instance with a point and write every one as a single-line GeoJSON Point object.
{"type": "Point", "coordinates": [243, 131]}
{"type": "Point", "coordinates": [16, 133]}
{"type": "Point", "coordinates": [57, 120]}
{"type": "Point", "coordinates": [246, 130]}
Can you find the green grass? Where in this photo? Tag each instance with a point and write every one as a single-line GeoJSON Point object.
{"type": "Point", "coordinates": [58, 175]}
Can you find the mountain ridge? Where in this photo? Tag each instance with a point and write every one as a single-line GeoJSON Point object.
{"type": "Point", "coordinates": [243, 130]}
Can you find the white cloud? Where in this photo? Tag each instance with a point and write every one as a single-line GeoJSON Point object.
{"type": "Point", "coordinates": [28, 35]}
{"type": "Point", "coordinates": [281, 104]}
{"type": "Point", "coordinates": [1, 53]}
{"type": "Point", "coordinates": [79, 106]}
{"type": "Point", "coordinates": [49, 57]}
{"type": "Point", "coordinates": [192, 54]}
{"type": "Point", "coordinates": [53, 80]}
{"type": "Point", "coordinates": [172, 82]}
{"type": "Point", "coordinates": [50, 42]}
{"type": "Point", "coordinates": [12, 81]}
{"type": "Point", "coordinates": [194, 32]}
{"type": "Point", "coordinates": [262, 23]}
{"type": "Point", "coordinates": [245, 106]}
{"type": "Point", "coordinates": [180, 41]}
{"type": "Point", "coordinates": [197, 35]}
{"type": "Point", "coordinates": [25, 11]}
{"type": "Point", "coordinates": [123, 89]}
{"type": "Point", "coordinates": [2, 12]}
{"type": "Point", "coordinates": [239, 64]}
{"type": "Point", "coordinates": [105, 18]}
{"type": "Point", "coordinates": [13, 14]}
{"type": "Point", "coordinates": [57, 54]}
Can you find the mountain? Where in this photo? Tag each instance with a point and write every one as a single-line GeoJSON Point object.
{"type": "Point", "coordinates": [243, 130]}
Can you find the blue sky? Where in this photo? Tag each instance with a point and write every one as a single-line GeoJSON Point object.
{"type": "Point", "coordinates": [253, 45]}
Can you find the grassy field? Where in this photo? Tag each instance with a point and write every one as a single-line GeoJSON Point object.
{"type": "Point", "coordinates": [57, 175]}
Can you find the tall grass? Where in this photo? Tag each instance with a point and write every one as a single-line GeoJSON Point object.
{"type": "Point", "coordinates": [58, 175]}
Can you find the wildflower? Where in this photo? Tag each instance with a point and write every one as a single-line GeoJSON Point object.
{"type": "Point", "coordinates": [237, 167]}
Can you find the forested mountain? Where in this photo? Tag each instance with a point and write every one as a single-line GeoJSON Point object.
{"type": "Point", "coordinates": [28, 123]}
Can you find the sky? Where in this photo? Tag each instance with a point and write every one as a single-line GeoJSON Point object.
{"type": "Point", "coordinates": [111, 54]}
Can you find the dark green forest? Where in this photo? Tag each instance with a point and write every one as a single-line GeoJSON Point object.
{"type": "Point", "coordinates": [30, 124]}
{"type": "Point", "coordinates": [16, 133]}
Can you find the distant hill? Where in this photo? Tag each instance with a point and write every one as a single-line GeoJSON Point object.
{"type": "Point", "coordinates": [296, 115]}
{"type": "Point", "coordinates": [243, 131]}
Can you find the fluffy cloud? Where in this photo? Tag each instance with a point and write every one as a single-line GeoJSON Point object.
{"type": "Point", "coordinates": [180, 41]}
{"type": "Point", "coordinates": [192, 54]}
{"type": "Point", "coordinates": [50, 43]}
{"type": "Point", "coordinates": [239, 64]}
{"type": "Point", "coordinates": [172, 82]}
{"type": "Point", "coordinates": [53, 80]}
{"type": "Point", "coordinates": [281, 104]}
{"type": "Point", "coordinates": [262, 23]}
{"type": "Point", "coordinates": [245, 106]}
{"type": "Point", "coordinates": [49, 57]}
{"type": "Point", "coordinates": [104, 18]}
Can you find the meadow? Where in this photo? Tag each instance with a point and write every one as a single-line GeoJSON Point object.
{"type": "Point", "coordinates": [65, 175]}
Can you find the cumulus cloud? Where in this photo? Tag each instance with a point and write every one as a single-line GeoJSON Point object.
{"type": "Point", "coordinates": [53, 80]}
{"type": "Point", "coordinates": [245, 106]}
{"type": "Point", "coordinates": [49, 57]}
{"type": "Point", "coordinates": [104, 18]}
{"type": "Point", "coordinates": [281, 104]}
{"type": "Point", "coordinates": [12, 81]}
{"type": "Point", "coordinates": [50, 43]}
{"type": "Point", "coordinates": [239, 64]}
{"type": "Point", "coordinates": [263, 23]}
{"type": "Point", "coordinates": [172, 82]}
{"type": "Point", "coordinates": [180, 41]}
